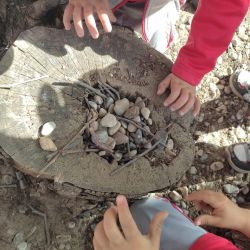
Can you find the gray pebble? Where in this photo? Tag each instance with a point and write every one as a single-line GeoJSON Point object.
{"type": "Point", "coordinates": [132, 146]}
{"type": "Point", "coordinates": [114, 129]}
{"type": "Point", "coordinates": [122, 130]}
{"type": "Point", "coordinates": [150, 121]}
{"type": "Point", "coordinates": [111, 108]}
{"type": "Point", "coordinates": [148, 145]}
{"type": "Point", "coordinates": [175, 196]}
{"type": "Point", "coordinates": [133, 153]}
{"type": "Point", "coordinates": [108, 102]}
{"type": "Point", "coordinates": [132, 112]}
{"type": "Point", "coordinates": [98, 100]}
{"type": "Point", "coordinates": [145, 113]}
{"type": "Point", "coordinates": [245, 190]}
{"type": "Point", "coordinates": [92, 105]}
{"type": "Point", "coordinates": [111, 143]}
{"type": "Point", "coordinates": [19, 238]}
{"type": "Point", "coordinates": [121, 106]}
{"type": "Point", "coordinates": [138, 137]}
{"type": "Point", "coordinates": [94, 125]}
{"type": "Point", "coordinates": [132, 128]}
{"type": "Point", "coordinates": [118, 156]}
{"type": "Point", "coordinates": [23, 246]}
{"type": "Point", "coordinates": [124, 124]}
{"type": "Point", "coordinates": [108, 121]}
{"type": "Point", "coordinates": [102, 153]}
{"type": "Point", "coordinates": [193, 170]}
{"type": "Point", "coordinates": [102, 112]}
{"type": "Point", "coordinates": [120, 138]}
{"type": "Point", "coordinates": [216, 166]}
{"type": "Point", "coordinates": [231, 189]}
{"type": "Point", "coordinates": [102, 136]}
{"type": "Point", "coordinates": [137, 119]}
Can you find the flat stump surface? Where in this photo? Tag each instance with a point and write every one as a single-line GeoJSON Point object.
{"type": "Point", "coordinates": [47, 61]}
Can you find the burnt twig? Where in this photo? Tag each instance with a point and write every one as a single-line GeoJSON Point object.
{"type": "Point", "coordinates": [136, 158]}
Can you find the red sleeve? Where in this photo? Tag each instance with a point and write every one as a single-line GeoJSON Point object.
{"type": "Point", "coordinates": [212, 242]}
{"type": "Point", "coordinates": [212, 30]}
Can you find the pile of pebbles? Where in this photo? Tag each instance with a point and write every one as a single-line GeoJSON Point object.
{"type": "Point", "coordinates": [123, 127]}
{"type": "Point", "coordinates": [117, 128]}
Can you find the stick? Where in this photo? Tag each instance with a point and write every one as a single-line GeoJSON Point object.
{"type": "Point", "coordinates": [76, 151]}
{"type": "Point", "coordinates": [35, 211]}
{"type": "Point", "coordinates": [135, 159]}
{"type": "Point", "coordinates": [85, 85]}
{"type": "Point", "coordinates": [113, 89]}
{"type": "Point", "coordinates": [54, 158]}
{"type": "Point", "coordinates": [135, 124]}
{"type": "Point", "coordinates": [8, 186]}
{"type": "Point", "coordinates": [18, 83]}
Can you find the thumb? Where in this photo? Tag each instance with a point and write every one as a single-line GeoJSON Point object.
{"type": "Point", "coordinates": [207, 220]}
{"type": "Point", "coordinates": [164, 85]}
{"type": "Point", "coordinates": [155, 228]}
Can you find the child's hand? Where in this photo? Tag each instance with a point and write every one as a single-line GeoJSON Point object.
{"type": "Point", "coordinates": [223, 212]}
{"type": "Point", "coordinates": [182, 97]}
{"type": "Point", "coordinates": [80, 9]}
{"type": "Point", "coordinates": [108, 236]}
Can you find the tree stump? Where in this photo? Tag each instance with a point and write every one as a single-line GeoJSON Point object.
{"type": "Point", "coordinates": [119, 58]}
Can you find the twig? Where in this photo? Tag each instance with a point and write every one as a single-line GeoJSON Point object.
{"type": "Point", "coordinates": [76, 151]}
{"type": "Point", "coordinates": [113, 89]}
{"type": "Point", "coordinates": [135, 124]}
{"type": "Point", "coordinates": [136, 158]}
{"type": "Point", "coordinates": [85, 85]}
{"type": "Point", "coordinates": [8, 186]}
{"type": "Point", "coordinates": [54, 158]}
{"type": "Point", "coordinates": [23, 82]}
{"type": "Point", "coordinates": [109, 92]}
{"type": "Point", "coordinates": [35, 211]}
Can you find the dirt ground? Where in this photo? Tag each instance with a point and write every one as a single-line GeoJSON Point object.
{"type": "Point", "coordinates": [36, 212]}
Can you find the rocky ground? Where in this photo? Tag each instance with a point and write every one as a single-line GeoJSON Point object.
{"type": "Point", "coordinates": [28, 207]}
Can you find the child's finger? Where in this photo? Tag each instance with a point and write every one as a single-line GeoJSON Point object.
{"type": "Point", "coordinates": [104, 18]}
{"type": "Point", "coordinates": [189, 105]}
{"type": "Point", "coordinates": [68, 12]}
{"type": "Point", "coordinates": [99, 235]}
{"type": "Point", "coordinates": [77, 17]}
{"type": "Point", "coordinates": [208, 220]}
{"type": "Point", "coordinates": [175, 93]}
{"type": "Point", "coordinates": [197, 107]}
{"type": "Point", "coordinates": [110, 226]}
{"type": "Point", "coordinates": [164, 85]}
{"type": "Point", "coordinates": [127, 222]}
{"type": "Point", "coordinates": [110, 13]}
{"type": "Point", "coordinates": [90, 21]}
{"type": "Point", "coordinates": [181, 101]}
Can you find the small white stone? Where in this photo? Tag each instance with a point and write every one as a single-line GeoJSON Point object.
{"type": "Point", "coordinates": [150, 122]}
{"type": "Point", "coordinates": [71, 224]}
{"type": "Point", "coordinates": [47, 144]}
{"type": "Point", "coordinates": [240, 133]}
{"type": "Point", "coordinates": [137, 119]}
{"type": "Point", "coordinates": [145, 113]}
{"type": "Point", "coordinates": [175, 196]}
{"type": "Point", "coordinates": [108, 121]}
{"type": "Point", "coordinates": [102, 153]}
{"type": "Point", "coordinates": [118, 156]}
{"type": "Point", "coordinates": [48, 128]}
{"type": "Point", "coordinates": [216, 166]}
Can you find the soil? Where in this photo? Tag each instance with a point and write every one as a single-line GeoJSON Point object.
{"type": "Point", "coordinates": [70, 217]}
